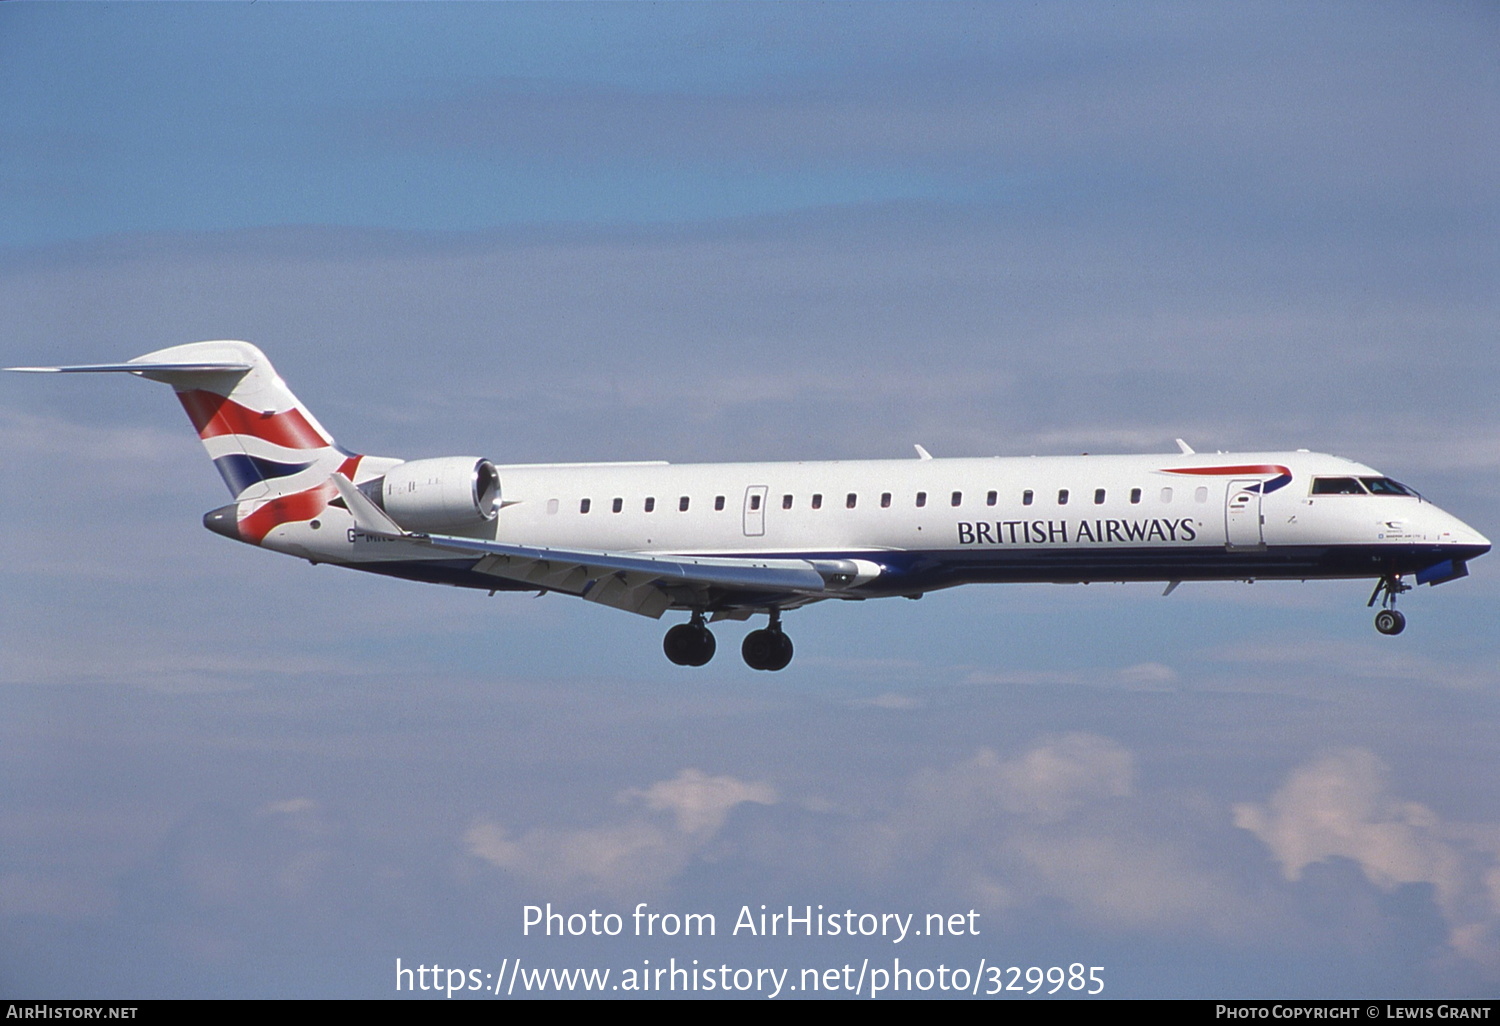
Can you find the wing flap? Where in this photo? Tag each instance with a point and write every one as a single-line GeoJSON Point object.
{"type": "Point", "coordinates": [798, 575]}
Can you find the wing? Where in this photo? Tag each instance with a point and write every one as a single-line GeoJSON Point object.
{"type": "Point", "coordinates": [637, 582]}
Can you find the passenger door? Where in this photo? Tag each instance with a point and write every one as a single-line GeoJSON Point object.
{"type": "Point", "coordinates": [1242, 515]}
{"type": "Point", "coordinates": [755, 511]}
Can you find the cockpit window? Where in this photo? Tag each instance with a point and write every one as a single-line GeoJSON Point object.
{"type": "Point", "coordinates": [1385, 486]}
{"type": "Point", "coordinates": [1336, 486]}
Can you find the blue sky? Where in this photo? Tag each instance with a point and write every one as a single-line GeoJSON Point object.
{"type": "Point", "coordinates": [715, 232]}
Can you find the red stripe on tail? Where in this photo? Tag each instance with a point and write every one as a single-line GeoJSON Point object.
{"type": "Point", "coordinates": [213, 414]}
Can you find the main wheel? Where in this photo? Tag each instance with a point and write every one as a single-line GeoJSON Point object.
{"type": "Point", "coordinates": [704, 646]}
{"type": "Point", "coordinates": [1388, 621]}
{"type": "Point", "coordinates": [783, 653]}
{"type": "Point", "coordinates": [689, 644]}
{"type": "Point", "coordinates": [757, 649]}
{"type": "Point", "coordinates": [766, 650]}
{"type": "Point", "coordinates": [678, 644]}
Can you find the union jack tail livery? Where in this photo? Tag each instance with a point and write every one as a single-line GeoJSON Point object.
{"type": "Point", "coordinates": [263, 441]}
{"type": "Point", "coordinates": [274, 456]}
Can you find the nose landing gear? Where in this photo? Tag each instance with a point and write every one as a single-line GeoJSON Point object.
{"type": "Point", "coordinates": [690, 644]}
{"type": "Point", "coordinates": [1388, 620]}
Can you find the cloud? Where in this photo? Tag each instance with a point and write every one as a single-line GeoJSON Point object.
{"type": "Point", "coordinates": [1340, 806]}
{"type": "Point", "coordinates": [1052, 779]}
{"type": "Point", "coordinates": [1065, 828]}
{"type": "Point", "coordinates": [700, 802]}
{"type": "Point", "coordinates": [1062, 823]}
{"type": "Point", "coordinates": [643, 853]}
{"type": "Point", "coordinates": [1149, 676]}
{"type": "Point", "coordinates": [1317, 662]}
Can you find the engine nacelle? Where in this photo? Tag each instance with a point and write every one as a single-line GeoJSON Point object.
{"type": "Point", "coordinates": [448, 493]}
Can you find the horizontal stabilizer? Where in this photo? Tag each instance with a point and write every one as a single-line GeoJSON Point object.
{"type": "Point", "coordinates": [139, 368]}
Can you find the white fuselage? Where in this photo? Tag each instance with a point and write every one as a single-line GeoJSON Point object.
{"type": "Point", "coordinates": [937, 522]}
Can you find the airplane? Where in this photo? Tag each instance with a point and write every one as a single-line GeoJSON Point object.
{"type": "Point", "coordinates": [727, 541]}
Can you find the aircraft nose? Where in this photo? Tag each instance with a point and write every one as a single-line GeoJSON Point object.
{"type": "Point", "coordinates": [1453, 531]}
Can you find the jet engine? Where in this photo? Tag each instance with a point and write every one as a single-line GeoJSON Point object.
{"type": "Point", "coordinates": [447, 493]}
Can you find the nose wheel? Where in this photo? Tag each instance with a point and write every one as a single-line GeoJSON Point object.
{"type": "Point", "coordinates": [691, 643]}
{"type": "Point", "coordinates": [1388, 621]}
{"type": "Point", "coordinates": [768, 648]}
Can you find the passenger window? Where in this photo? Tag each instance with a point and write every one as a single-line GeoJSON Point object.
{"type": "Point", "coordinates": [650, 504]}
{"type": "Point", "coordinates": [1098, 496]}
{"type": "Point", "coordinates": [991, 498]}
{"type": "Point", "coordinates": [1336, 486]}
{"type": "Point", "coordinates": [921, 499]}
{"type": "Point", "coordinates": [1062, 497]}
{"type": "Point", "coordinates": [885, 500]}
{"type": "Point", "coordinates": [1166, 495]}
{"type": "Point", "coordinates": [850, 501]}
{"type": "Point", "coordinates": [1200, 495]}
{"type": "Point", "coordinates": [682, 504]}
{"type": "Point", "coordinates": [1135, 496]}
{"type": "Point", "coordinates": [1027, 496]}
{"type": "Point", "coordinates": [551, 505]}
{"type": "Point", "coordinates": [817, 500]}
{"type": "Point", "coordinates": [583, 505]}
{"type": "Point", "coordinates": [617, 505]}
{"type": "Point", "coordinates": [719, 501]}
{"type": "Point", "coordinates": [958, 498]}
{"type": "Point", "coordinates": [786, 502]}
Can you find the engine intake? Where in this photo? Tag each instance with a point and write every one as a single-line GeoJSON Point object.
{"type": "Point", "coordinates": [447, 493]}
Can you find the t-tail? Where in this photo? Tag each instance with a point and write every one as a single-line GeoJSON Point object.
{"type": "Point", "coordinates": [275, 458]}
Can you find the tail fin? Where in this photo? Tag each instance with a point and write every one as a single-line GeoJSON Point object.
{"type": "Point", "coordinates": [263, 441]}
{"type": "Point", "coordinates": [276, 459]}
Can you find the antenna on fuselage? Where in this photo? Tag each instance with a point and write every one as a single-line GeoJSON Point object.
{"type": "Point", "coordinates": [1187, 450]}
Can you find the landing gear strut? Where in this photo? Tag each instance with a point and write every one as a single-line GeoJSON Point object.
{"type": "Point", "coordinates": [1388, 620]}
{"type": "Point", "coordinates": [691, 643]}
{"type": "Point", "coordinates": [768, 648]}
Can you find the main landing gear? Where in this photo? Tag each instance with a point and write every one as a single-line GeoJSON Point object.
{"type": "Point", "coordinates": [1388, 620]}
{"type": "Point", "coordinates": [768, 648]}
{"type": "Point", "coordinates": [692, 644]}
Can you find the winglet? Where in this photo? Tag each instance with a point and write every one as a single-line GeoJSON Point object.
{"type": "Point", "coordinates": [922, 454]}
{"type": "Point", "coordinates": [1187, 450]}
{"type": "Point", "coordinates": [368, 517]}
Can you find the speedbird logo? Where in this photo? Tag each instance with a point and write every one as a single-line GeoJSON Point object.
{"type": "Point", "coordinates": [1282, 475]}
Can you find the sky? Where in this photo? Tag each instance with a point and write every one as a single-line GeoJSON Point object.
{"type": "Point", "coordinates": [714, 232]}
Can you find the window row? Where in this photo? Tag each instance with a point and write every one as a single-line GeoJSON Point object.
{"type": "Point", "coordinates": [851, 500]}
{"type": "Point", "coordinates": [649, 506]}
